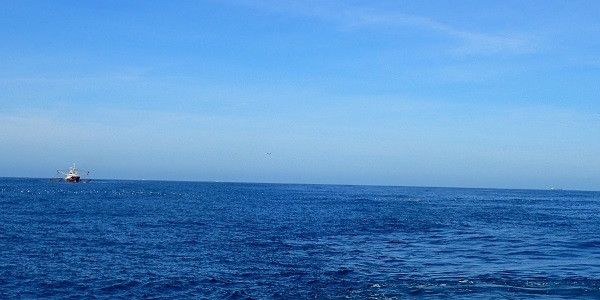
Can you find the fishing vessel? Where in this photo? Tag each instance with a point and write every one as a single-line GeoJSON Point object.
{"type": "Point", "coordinates": [73, 175]}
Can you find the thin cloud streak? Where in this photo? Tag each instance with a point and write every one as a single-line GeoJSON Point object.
{"type": "Point", "coordinates": [472, 43]}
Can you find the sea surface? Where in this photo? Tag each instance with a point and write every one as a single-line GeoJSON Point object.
{"type": "Point", "coordinates": [197, 240]}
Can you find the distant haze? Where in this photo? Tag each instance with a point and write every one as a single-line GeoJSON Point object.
{"type": "Point", "coordinates": [426, 93]}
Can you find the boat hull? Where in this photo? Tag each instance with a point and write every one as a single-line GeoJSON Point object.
{"type": "Point", "coordinates": [72, 179]}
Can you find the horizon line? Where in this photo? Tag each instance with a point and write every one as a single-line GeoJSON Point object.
{"type": "Point", "coordinates": [331, 184]}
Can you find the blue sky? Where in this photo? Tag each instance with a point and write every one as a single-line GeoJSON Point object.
{"type": "Point", "coordinates": [428, 93]}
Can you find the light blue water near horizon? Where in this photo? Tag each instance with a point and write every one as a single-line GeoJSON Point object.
{"type": "Point", "coordinates": [170, 240]}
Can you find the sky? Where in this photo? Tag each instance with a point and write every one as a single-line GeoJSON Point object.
{"type": "Point", "coordinates": [499, 94]}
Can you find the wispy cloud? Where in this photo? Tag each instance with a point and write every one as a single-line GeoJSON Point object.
{"type": "Point", "coordinates": [350, 16]}
{"type": "Point", "coordinates": [472, 42]}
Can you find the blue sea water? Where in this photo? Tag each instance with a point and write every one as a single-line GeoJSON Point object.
{"type": "Point", "coordinates": [194, 240]}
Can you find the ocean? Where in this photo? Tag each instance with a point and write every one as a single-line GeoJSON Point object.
{"type": "Point", "coordinates": [110, 239]}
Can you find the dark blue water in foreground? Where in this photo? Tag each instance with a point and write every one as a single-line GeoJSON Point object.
{"type": "Point", "coordinates": [181, 240]}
